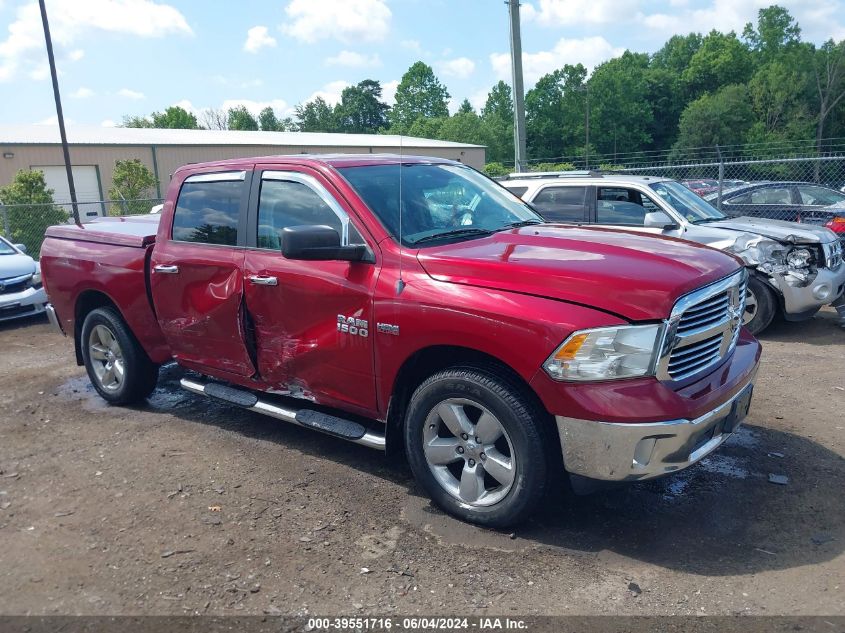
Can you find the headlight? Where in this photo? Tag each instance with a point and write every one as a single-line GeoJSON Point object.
{"type": "Point", "coordinates": [35, 281]}
{"type": "Point", "coordinates": [606, 353]}
{"type": "Point", "coordinates": [799, 258]}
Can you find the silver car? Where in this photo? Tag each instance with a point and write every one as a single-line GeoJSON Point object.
{"type": "Point", "coordinates": [21, 292]}
{"type": "Point", "coordinates": [795, 269]}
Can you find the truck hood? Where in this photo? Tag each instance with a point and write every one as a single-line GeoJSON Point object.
{"type": "Point", "coordinates": [16, 266]}
{"type": "Point", "coordinates": [638, 277]}
{"type": "Point", "coordinates": [778, 230]}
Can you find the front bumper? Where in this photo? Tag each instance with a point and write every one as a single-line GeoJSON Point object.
{"type": "Point", "coordinates": [804, 300]}
{"type": "Point", "coordinates": [21, 304]}
{"type": "Point", "coordinates": [616, 451]}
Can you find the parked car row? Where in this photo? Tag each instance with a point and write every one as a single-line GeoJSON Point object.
{"type": "Point", "coordinates": [794, 269]}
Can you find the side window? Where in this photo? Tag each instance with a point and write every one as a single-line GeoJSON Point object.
{"type": "Point", "coordinates": [285, 203]}
{"type": "Point", "coordinates": [819, 196]}
{"type": "Point", "coordinates": [562, 204]}
{"type": "Point", "coordinates": [517, 191]}
{"type": "Point", "coordinates": [208, 211]}
{"type": "Point", "coordinates": [771, 195]}
{"type": "Point", "coordinates": [615, 205]}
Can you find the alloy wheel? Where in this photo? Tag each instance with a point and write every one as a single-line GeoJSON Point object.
{"type": "Point", "coordinates": [106, 358]}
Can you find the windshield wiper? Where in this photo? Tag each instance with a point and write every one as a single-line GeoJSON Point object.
{"type": "Point", "coordinates": [521, 223]}
{"type": "Point", "coordinates": [452, 233]}
{"type": "Point", "coordinates": [705, 220]}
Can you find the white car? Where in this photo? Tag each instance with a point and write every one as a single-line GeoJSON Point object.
{"type": "Point", "coordinates": [21, 292]}
{"type": "Point", "coordinates": [795, 269]}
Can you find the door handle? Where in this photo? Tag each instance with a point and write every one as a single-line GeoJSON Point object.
{"type": "Point", "coordinates": [263, 280]}
{"type": "Point", "coordinates": [168, 270]}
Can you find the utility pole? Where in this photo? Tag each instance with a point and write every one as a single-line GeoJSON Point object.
{"type": "Point", "coordinates": [59, 114]}
{"type": "Point", "coordinates": [587, 128]}
{"type": "Point", "coordinates": [518, 88]}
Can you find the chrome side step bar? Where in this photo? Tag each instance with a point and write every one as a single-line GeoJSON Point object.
{"type": "Point", "coordinates": [307, 418]}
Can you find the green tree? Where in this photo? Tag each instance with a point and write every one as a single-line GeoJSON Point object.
{"type": "Point", "coordinates": [555, 112]}
{"type": "Point", "coordinates": [621, 115]}
{"type": "Point", "coordinates": [315, 116]}
{"type": "Point", "coordinates": [175, 117]}
{"type": "Point", "coordinates": [497, 117]}
{"type": "Point", "coordinates": [31, 210]}
{"type": "Point", "coordinates": [466, 107]}
{"type": "Point", "coordinates": [239, 118]}
{"type": "Point", "coordinates": [464, 127]}
{"type": "Point", "coordinates": [776, 33]}
{"type": "Point", "coordinates": [136, 121]}
{"type": "Point", "coordinates": [419, 94]}
{"type": "Point", "coordinates": [676, 53]}
{"type": "Point", "coordinates": [722, 118]}
{"type": "Point", "coordinates": [133, 184]}
{"type": "Point", "coordinates": [721, 60]}
{"type": "Point", "coordinates": [425, 127]}
{"type": "Point", "coordinates": [361, 110]}
{"type": "Point", "coordinates": [828, 63]}
{"type": "Point", "coordinates": [778, 92]}
{"type": "Point", "coordinates": [268, 121]}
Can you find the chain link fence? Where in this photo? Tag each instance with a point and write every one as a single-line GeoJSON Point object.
{"type": "Point", "coordinates": [26, 223]}
{"type": "Point", "coordinates": [795, 189]}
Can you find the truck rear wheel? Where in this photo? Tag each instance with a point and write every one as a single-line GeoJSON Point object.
{"type": "Point", "coordinates": [760, 306]}
{"type": "Point", "coordinates": [474, 443]}
{"type": "Point", "coordinates": [117, 365]}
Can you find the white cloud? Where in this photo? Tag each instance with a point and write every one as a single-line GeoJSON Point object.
{"type": "Point", "coordinates": [82, 93]}
{"type": "Point", "coordinates": [589, 51]}
{"type": "Point", "coordinates": [462, 67]}
{"type": "Point", "coordinates": [76, 55]}
{"type": "Point", "coordinates": [819, 19]}
{"type": "Point", "coordinates": [388, 91]}
{"type": "Point", "coordinates": [108, 123]}
{"type": "Point", "coordinates": [126, 93]}
{"type": "Point", "coordinates": [54, 120]}
{"type": "Point", "coordinates": [257, 38]}
{"type": "Point", "coordinates": [344, 20]}
{"type": "Point", "coordinates": [71, 20]}
{"type": "Point", "coordinates": [351, 59]}
{"type": "Point", "coordinates": [330, 92]}
{"type": "Point", "coordinates": [577, 12]}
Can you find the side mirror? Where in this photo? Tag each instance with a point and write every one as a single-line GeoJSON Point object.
{"type": "Point", "coordinates": [659, 220]}
{"type": "Point", "coordinates": [320, 243]}
{"type": "Point", "coordinates": [21, 247]}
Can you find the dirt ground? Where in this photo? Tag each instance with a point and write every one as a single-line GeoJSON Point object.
{"type": "Point", "coordinates": [183, 506]}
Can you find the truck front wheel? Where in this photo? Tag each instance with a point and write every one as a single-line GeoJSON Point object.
{"type": "Point", "coordinates": [474, 443]}
{"type": "Point", "coordinates": [117, 365]}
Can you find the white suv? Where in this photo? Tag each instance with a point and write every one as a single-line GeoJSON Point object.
{"type": "Point", "coordinates": [795, 268]}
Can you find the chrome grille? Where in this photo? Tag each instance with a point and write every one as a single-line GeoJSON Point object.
{"type": "Point", "coordinates": [703, 328]}
{"type": "Point", "coordinates": [832, 254]}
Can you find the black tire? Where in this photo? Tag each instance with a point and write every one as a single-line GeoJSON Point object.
{"type": "Point", "coordinates": [518, 415]}
{"type": "Point", "coordinates": [140, 375]}
{"type": "Point", "coordinates": [766, 305]}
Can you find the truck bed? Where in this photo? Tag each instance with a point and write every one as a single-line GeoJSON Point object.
{"type": "Point", "coordinates": [136, 231]}
{"type": "Point", "coordinates": [105, 262]}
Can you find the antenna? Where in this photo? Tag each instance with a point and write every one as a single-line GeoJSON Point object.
{"type": "Point", "coordinates": [400, 285]}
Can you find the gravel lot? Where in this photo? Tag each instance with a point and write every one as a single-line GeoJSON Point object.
{"type": "Point", "coordinates": [183, 506]}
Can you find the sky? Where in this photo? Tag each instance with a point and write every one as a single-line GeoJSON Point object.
{"type": "Point", "coordinates": [133, 57]}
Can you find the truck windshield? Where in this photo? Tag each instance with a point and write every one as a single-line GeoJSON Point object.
{"type": "Point", "coordinates": [687, 203]}
{"type": "Point", "coordinates": [439, 202]}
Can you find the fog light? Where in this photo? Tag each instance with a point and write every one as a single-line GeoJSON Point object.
{"type": "Point", "coordinates": [822, 292]}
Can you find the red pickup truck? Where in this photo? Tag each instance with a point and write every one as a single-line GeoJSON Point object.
{"type": "Point", "coordinates": [413, 302]}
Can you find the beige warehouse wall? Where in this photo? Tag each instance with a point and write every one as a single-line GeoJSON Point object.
{"type": "Point", "coordinates": [171, 157]}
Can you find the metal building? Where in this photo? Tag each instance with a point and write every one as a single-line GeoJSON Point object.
{"type": "Point", "coordinates": [94, 150]}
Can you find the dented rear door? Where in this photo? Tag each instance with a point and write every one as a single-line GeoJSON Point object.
{"type": "Point", "coordinates": [196, 275]}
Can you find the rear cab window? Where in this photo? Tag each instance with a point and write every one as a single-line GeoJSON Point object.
{"type": "Point", "coordinates": [208, 209]}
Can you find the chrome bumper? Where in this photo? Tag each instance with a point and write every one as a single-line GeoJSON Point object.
{"type": "Point", "coordinates": [827, 284]}
{"type": "Point", "coordinates": [610, 451]}
{"type": "Point", "coordinates": [53, 319]}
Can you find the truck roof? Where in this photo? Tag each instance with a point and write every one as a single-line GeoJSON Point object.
{"type": "Point", "coordinates": [332, 160]}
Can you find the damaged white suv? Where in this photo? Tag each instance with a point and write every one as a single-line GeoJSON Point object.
{"type": "Point", "coordinates": [795, 268]}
